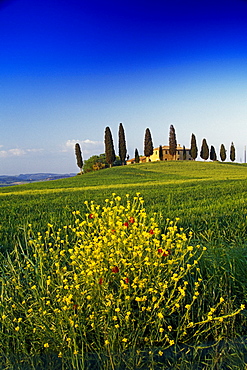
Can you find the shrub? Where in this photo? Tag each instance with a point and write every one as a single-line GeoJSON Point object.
{"type": "Point", "coordinates": [110, 283]}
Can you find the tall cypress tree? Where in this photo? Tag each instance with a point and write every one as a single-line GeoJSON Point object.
{"type": "Point", "coordinates": [122, 144]}
{"type": "Point", "coordinates": [213, 156]}
{"type": "Point", "coordinates": [193, 147]}
{"type": "Point", "coordinates": [109, 147]}
{"type": "Point", "coordinates": [184, 153]}
{"type": "Point", "coordinates": [137, 157]}
{"type": "Point", "coordinates": [172, 142]}
{"type": "Point", "coordinates": [204, 150]}
{"type": "Point", "coordinates": [222, 152]}
{"type": "Point", "coordinates": [160, 153]}
{"type": "Point", "coordinates": [78, 156]}
{"type": "Point", "coordinates": [148, 143]}
{"type": "Point", "coordinates": [232, 152]}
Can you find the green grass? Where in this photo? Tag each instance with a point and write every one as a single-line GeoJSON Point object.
{"type": "Point", "coordinates": [209, 198]}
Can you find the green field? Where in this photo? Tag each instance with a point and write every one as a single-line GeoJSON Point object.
{"type": "Point", "coordinates": [210, 200]}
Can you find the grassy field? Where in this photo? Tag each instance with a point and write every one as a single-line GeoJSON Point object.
{"type": "Point", "coordinates": [210, 201]}
{"type": "Point", "coordinates": [209, 198]}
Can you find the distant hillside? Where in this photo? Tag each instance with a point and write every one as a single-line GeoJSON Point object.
{"type": "Point", "coordinates": [6, 180]}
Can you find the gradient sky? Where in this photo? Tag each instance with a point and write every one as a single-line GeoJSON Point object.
{"type": "Point", "coordinates": [70, 68]}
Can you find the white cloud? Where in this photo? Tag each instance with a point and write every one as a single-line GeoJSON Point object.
{"type": "Point", "coordinates": [3, 153]}
{"type": "Point", "coordinates": [17, 152]}
{"type": "Point", "coordinates": [88, 147]}
{"type": "Point", "coordinates": [34, 150]}
{"type": "Point", "coordinates": [71, 143]}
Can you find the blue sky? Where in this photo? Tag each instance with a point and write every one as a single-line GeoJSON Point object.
{"type": "Point", "coordinates": [70, 68]}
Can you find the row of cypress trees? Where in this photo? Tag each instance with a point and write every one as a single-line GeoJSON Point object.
{"type": "Point", "coordinates": [109, 146]}
{"type": "Point", "coordinates": [205, 153]}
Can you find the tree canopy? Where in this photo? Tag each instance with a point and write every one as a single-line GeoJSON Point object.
{"type": "Point", "coordinates": [222, 152]}
{"type": "Point", "coordinates": [193, 147]}
{"type": "Point", "coordinates": [232, 153]}
{"type": "Point", "coordinates": [204, 150]}
{"type": "Point", "coordinates": [184, 153]}
{"type": "Point", "coordinates": [160, 153]}
{"type": "Point", "coordinates": [95, 162]}
{"type": "Point", "coordinates": [148, 143]}
{"type": "Point", "coordinates": [137, 157]}
{"type": "Point", "coordinates": [109, 147]}
{"type": "Point", "coordinates": [78, 156]}
{"type": "Point", "coordinates": [213, 156]}
{"type": "Point", "coordinates": [121, 144]}
{"type": "Point", "coordinates": [172, 141]}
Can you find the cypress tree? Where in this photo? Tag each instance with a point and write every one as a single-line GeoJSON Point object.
{"type": "Point", "coordinates": [109, 147]}
{"type": "Point", "coordinates": [204, 150]}
{"type": "Point", "coordinates": [213, 156]}
{"type": "Point", "coordinates": [184, 153]}
{"type": "Point", "coordinates": [193, 147]}
{"type": "Point", "coordinates": [172, 142]}
{"type": "Point", "coordinates": [160, 153]}
{"type": "Point", "coordinates": [222, 152]}
{"type": "Point", "coordinates": [148, 143]}
{"type": "Point", "coordinates": [232, 152]}
{"type": "Point", "coordinates": [122, 144]}
{"type": "Point", "coordinates": [137, 157]}
{"type": "Point", "coordinates": [78, 156]}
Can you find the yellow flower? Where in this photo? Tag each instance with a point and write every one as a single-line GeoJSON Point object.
{"type": "Point", "coordinates": [160, 315]}
{"type": "Point", "coordinates": [17, 328]}
{"type": "Point", "coordinates": [107, 342]}
{"type": "Point", "coordinates": [46, 345]}
{"type": "Point", "coordinates": [124, 340]}
{"type": "Point", "coordinates": [160, 353]}
{"type": "Point", "coordinates": [161, 330]}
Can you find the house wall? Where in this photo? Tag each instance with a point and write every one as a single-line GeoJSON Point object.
{"type": "Point", "coordinates": [166, 155]}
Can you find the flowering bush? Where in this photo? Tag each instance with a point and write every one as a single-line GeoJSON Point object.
{"type": "Point", "coordinates": [112, 281]}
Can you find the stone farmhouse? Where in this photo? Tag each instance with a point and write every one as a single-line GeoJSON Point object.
{"type": "Point", "coordinates": [166, 155]}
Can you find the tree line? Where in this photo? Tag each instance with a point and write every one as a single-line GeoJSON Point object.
{"type": "Point", "coordinates": [109, 158]}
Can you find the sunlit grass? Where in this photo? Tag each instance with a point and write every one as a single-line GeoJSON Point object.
{"type": "Point", "coordinates": [210, 201]}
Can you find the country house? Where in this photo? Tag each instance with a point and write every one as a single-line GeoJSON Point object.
{"type": "Point", "coordinates": [166, 155]}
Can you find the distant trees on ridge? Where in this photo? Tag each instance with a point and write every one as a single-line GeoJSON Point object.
{"type": "Point", "coordinates": [109, 158]}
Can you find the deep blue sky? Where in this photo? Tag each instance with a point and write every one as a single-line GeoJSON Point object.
{"type": "Point", "coordinates": [70, 68]}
